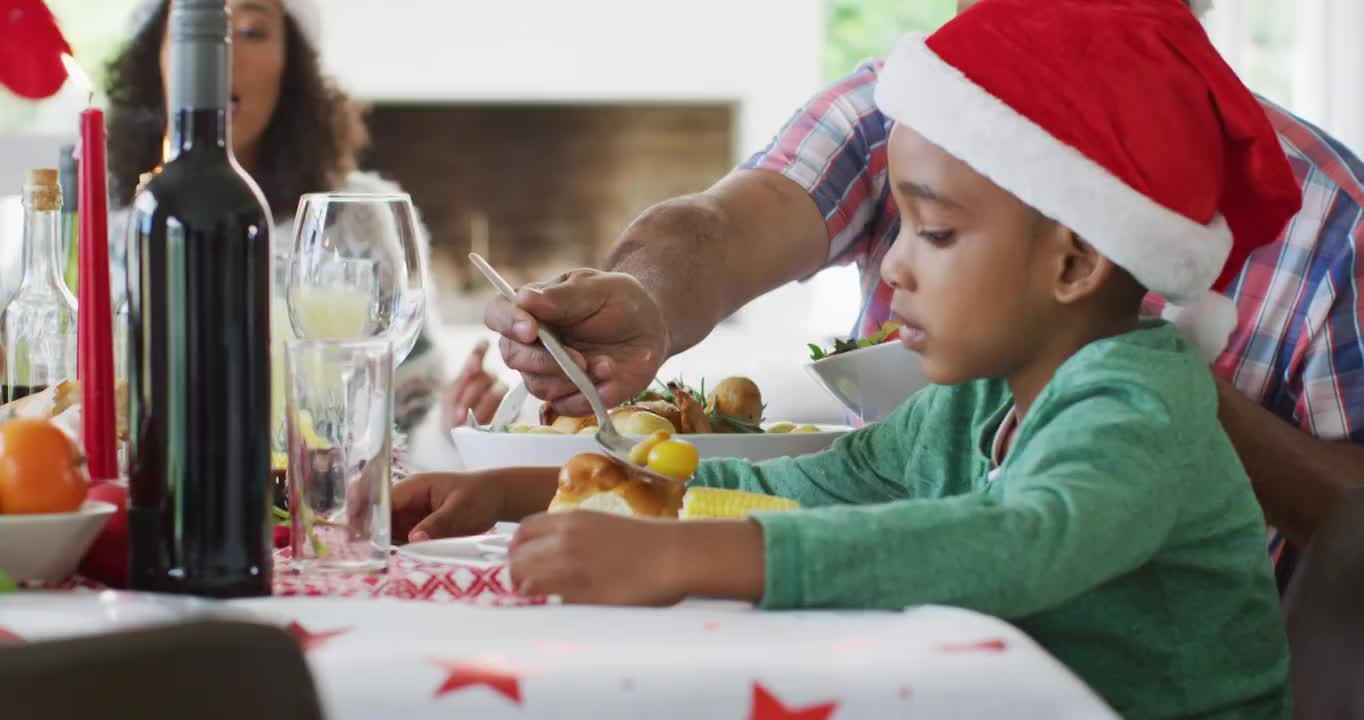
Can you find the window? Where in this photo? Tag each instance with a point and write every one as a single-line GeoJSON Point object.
{"type": "Point", "coordinates": [860, 29]}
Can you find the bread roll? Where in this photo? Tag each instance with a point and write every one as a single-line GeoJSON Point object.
{"type": "Point", "coordinates": [595, 482]}
{"type": "Point", "coordinates": [60, 403]}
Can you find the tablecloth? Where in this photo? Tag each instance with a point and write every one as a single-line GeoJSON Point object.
{"type": "Point", "coordinates": [382, 657]}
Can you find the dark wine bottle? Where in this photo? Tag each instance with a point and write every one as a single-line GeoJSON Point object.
{"type": "Point", "coordinates": [199, 340]}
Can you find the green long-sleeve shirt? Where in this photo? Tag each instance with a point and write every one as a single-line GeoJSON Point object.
{"type": "Point", "coordinates": [1120, 531]}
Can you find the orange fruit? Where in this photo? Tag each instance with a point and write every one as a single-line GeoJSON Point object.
{"type": "Point", "coordinates": [41, 470]}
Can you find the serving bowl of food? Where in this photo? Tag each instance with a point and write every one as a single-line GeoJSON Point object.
{"type": "Point", "coordinates": [869, 377]}
{"type": "Point", "coordinates": [727, 421]}
{"type": "Point", "coordinates": [47, 519]}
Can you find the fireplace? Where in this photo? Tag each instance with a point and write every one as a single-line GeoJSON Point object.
{"type": "Point", "coordinates": [539, 188]}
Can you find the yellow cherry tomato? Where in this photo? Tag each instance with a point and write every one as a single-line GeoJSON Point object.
{"type": "Point", "coordinates": [674, 458]}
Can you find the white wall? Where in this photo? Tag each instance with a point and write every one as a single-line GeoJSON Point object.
{"type": "Point", "coordinates": [763, 55]}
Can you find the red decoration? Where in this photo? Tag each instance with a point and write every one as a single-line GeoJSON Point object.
{"type": "Point", "coordinates": [95, 351]}
{"type": "Point", "coordinates": [460, 675]}
{"type": "Point", "coordinates": [8, 637]}
{"type": "Point", "coordinates": [106, 561]}
{"type": "Point", "coordinates": [31, 47]}
{"type": "Point", "coordinates": [993, 646]}
{"type": "Point", "coordinates": [766, 706]}
{"type": "Point", "coordinates": [310, 640]}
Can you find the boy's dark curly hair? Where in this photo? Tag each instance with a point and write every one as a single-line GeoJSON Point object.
{"type": "Point", "coordinates": [310, 145]}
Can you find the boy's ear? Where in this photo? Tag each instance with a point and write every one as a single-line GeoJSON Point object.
{"type": "Point", "coordinates": [1081, 270]}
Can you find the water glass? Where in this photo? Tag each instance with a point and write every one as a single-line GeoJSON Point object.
{"type": "Point", "coordinates": [339, 414]}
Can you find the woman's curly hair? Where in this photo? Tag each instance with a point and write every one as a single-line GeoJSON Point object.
{"type": "Point", "coordinates": [310, 145]}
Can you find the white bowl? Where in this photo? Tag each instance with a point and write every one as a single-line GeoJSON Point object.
{"type": "Point", "coordinates": [480, 449]}
{"type": "Point", "coordinates": [49, 547]}
{"type": "Point", "coordinates": [872, 381]}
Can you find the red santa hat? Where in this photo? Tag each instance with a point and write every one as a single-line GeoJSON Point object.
{"type": "Point", "coordinates": [1118, 119]}
{"type": "Point", "coordinates": [31, 47]}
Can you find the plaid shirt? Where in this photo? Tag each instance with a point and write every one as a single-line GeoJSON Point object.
{"type": "Point", "coordinates": [1298, 350]}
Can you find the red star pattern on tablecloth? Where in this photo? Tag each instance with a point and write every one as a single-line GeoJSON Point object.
{"type": "Point", "coordinates": [460, 675]}
{"type": "Point", "coordinates": [9, 637]}
{"type": "Point", "coordinates": [766, 706]}
{"type": "Point", "coordinates": [312, 640]}
{"type": "Point", "coordinates": [990, 646]}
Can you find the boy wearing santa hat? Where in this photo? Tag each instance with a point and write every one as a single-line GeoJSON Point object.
{"type": "Point", "coordinates": [1052, 161]}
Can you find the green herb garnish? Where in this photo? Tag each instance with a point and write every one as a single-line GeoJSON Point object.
{"type": "Point", "coordinates": [888, 328]}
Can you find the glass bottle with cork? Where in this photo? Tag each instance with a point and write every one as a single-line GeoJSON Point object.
{"type": "Point", "coordinates": [38, 327]}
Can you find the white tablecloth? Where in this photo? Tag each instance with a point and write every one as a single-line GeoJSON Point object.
{"type": "Point", "coordinates": [376, 658]}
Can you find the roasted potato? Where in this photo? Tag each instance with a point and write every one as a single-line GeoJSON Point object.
{"type": "Point", "coordinates": [663, 409]}
{"type": "Point", "coordinates": [569, 425]}
{"type": "Point", "coordinates": [634, 420]}
{"type": "Point", "coordinates": [737, 397]}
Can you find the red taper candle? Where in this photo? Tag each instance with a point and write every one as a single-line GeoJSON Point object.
{"type": "Point", "coordinates": [95, 353]}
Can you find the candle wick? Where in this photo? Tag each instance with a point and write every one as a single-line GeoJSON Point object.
{"type": "Point", "coordinates": [90, 101]}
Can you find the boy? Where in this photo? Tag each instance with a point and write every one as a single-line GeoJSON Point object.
{"type": "Point", "coordinates": [1067, 472]}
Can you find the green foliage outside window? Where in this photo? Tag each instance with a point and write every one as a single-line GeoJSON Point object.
{"type": "Point", "coordinates": [860, 29]}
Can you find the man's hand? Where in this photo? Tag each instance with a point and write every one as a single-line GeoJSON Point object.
{"type": "Point", "coordinates": [611, 325]}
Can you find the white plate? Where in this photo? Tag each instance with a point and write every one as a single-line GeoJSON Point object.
{"type": "Point", "coordinates": [480, 449]}
{"type": "Point", "coordinates": [49, 547]}
{"type": "Point", "coordinates": [485, 550]}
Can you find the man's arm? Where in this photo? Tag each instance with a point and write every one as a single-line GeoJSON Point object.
{"type": "Point", "coordinates": [1298, 478]}
{"type": "Point", "coordinates": [704, 256]}
{"type": "Point", "coordinates": [688, 263]}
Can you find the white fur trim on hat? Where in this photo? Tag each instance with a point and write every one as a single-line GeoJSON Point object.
{"type": "Point", "coordinates": [305, 13]}
{"type": "Point", "coordinates": [1207, 322]}
{"type": "Point", "coordinates": [1166, 251]}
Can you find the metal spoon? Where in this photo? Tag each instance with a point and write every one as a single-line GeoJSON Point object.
{"type": "Point", "coordinates": [615, 444]}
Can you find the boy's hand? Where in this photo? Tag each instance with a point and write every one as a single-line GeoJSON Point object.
{"type": "Point", "coordinates": [591, 557]}
{"type": "Point", "coordinates": [445, 504]}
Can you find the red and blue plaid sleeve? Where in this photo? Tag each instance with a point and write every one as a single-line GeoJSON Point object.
{"type": "Point", "coordinates": [835, 148]}
{"type": "Point", "coordinates": [1299, 349]}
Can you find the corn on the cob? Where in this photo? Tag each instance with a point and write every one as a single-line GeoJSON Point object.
{"type": "Point", "coordinates": [704, 502]}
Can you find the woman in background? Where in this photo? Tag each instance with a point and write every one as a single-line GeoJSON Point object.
{"type": "Point", "coordinates": [293, 131]}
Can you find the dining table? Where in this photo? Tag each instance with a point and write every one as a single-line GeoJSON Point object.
{"type": "Point", "coordinates": [444, 635]}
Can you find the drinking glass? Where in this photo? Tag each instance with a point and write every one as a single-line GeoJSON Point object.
{"type": "Point", "coordinates": [339, 412]}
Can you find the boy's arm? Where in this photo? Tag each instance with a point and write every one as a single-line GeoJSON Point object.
{"type": "Point", "coordinates": [1069, 515]}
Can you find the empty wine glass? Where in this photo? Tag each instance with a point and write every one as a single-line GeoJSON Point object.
{"type": "Point", "coordinates": [356, 271]}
